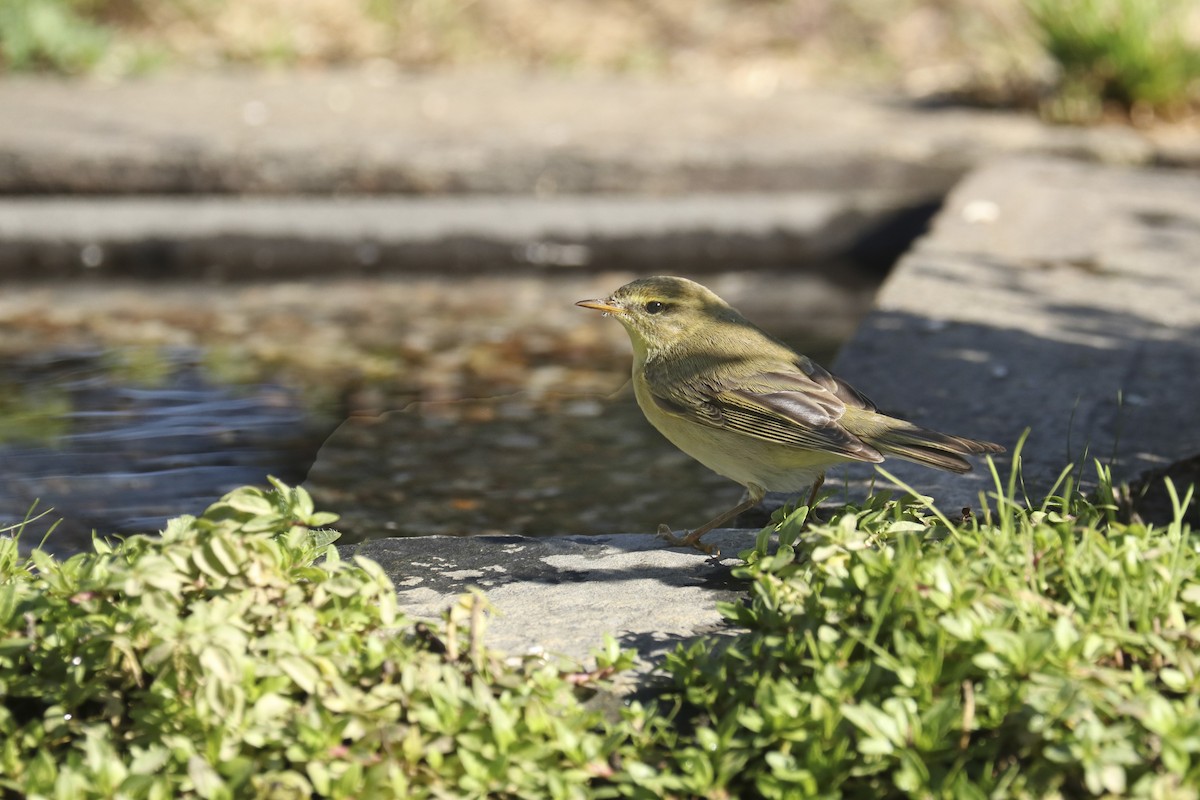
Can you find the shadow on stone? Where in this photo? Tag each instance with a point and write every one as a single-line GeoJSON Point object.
{"type": "Point", "coordinates": [1102, 384]}
{"type": "Point", "coordinates": [453, 564]}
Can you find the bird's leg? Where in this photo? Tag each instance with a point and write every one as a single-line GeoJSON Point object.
{"type": "Point", "coordinates": [812, 499]}
{"type": "Point", "coordinates": [692, 539]}
{"type": "Point", "coordinates": [816, 487]}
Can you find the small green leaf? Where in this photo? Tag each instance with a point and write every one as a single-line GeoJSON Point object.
{"type": "Point", "coordinates": [1174, 679]}
{"type": "Point", "coordinates": [321, 519]}
{"type": "Point", "coordinates": [251, 502]}
{"type": "Point", "coordinates": [301, 671]}
{"type": "Point", "coordinates": [205, 780]}
{"type": "Point", "coordinates": [8, 603]}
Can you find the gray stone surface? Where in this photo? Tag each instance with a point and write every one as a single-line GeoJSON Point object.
{"type": "Point", "coordinates": [561, 595]}
{"type": "Point", "coordinates": [239, 237]}
{"type": "Point", "coordinates": [694, 176]}
{"type": "Point", "coordinates": [373, 131]}
{"type": "Point", "coordinates": [1053, 295]}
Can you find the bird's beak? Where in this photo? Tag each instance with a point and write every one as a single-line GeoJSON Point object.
{"type": "Point", "coordinates": [600, 305]}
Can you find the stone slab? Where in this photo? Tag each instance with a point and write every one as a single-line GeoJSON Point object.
{"type": "Point", "coordinates": [561, 595]}
{"type": "Point", "coordinates": [692, 176]}
{"type": "Point", "coordinates": [1051, 295]}
{"type": "Point", "coordinates": [239, 237]}
{"type": "Point", "coordinates": [372, 131]}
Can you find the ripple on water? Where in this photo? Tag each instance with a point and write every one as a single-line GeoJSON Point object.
{"type": "Point", "coordinates": [115, 450]}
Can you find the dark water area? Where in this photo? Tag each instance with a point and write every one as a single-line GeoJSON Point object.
{"type": "Point", "coordinates": [117, 441]}
{"type": "Point", "coordinates": [408, 407]}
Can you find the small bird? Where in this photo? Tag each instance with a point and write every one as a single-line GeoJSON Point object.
{"type": "Point", "coordinates": [750, 408]}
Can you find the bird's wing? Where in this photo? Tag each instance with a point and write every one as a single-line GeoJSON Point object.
{"type": "Point", "coordinates": [847, 394]}
{"type": "Point", "coordinates": [801, 407]}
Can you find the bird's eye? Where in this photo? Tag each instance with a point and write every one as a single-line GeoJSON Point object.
{"type": "Point", "coordinates": [655, 307]}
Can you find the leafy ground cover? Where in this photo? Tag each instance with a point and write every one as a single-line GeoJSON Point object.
{"type": "Point", "coordinates": [1035, 651]}
{"type": "Point", "coordinates": [238, 656]}
{"type": "Point", "coordinates": [1077, 60]}
{"type": "Point", "coordinates": [1027, 650]}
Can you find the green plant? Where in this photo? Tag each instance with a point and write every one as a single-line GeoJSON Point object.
{"type": "Point", "coordinates": [49, 34]}
{"type": "Point", "coordinates": [1036, 651]}
{"type": "Point", "coordinates": [238, 655]}
{"type": "Point", "coordinates": [1136, 53]}
{"type": "Point", "coordinates": [1026, 651]}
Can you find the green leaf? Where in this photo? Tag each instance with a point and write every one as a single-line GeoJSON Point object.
{"type": "Point", "coordinates": [206, 781]}
{"type": "Point", "coordinates": [251, 502]}
{"type": "Point", "coordinates": [149, 760]}
{"type": "Point", "coordinates": [1174, 679]}
{"type": "Point", "coordinates": [302, 672]}
{"type": "Point", "coordinates": [8, 603]}
{"type": "Point", "coordinates": [222, 553]}
{"type": "Point", "coordinates": [220, 664]}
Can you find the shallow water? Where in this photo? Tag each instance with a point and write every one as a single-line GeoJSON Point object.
{"type": "Point", "coordinates": [97, 446]}
{"type": "Point", "coordinates": [575, 465]}
{"type": "Point", "coordinates": [125, 405]}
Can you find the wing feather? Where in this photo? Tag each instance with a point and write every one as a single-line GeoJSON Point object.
{"type": "Point", "coordinates": [800, 407]}
{"type": "Point", "coordinates": [792, 418]}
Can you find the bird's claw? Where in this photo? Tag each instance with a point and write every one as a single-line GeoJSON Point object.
{"type": "Point", "coordinates": [665, 532]}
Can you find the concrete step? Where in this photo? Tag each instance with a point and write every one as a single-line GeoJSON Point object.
{"type": "Point", "coordinates": [496, 132]}
{"type": "Point", "coordinates": [233, 237]}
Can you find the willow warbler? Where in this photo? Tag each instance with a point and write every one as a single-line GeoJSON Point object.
{"type": "Point", "coordinates": [747, 406]}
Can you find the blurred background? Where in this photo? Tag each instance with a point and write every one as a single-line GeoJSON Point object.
{"type": "Point", "coordinates": [339, 241]}
{"type": "Point", "coordinates": [1009, 52]}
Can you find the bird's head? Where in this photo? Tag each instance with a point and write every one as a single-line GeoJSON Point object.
{"type": "Point", "coordinates": [662, 312]}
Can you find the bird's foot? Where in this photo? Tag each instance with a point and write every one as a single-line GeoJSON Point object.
{"type": "Point", "coordinates": [689, 540]}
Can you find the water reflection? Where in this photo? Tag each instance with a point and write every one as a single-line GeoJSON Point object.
{"type": "Point", "coordinates": [120, 441]}
{"type": "Point", "coordinates": [561, 464]}
{"type": "Point", "coordinates": [122, 405]}
{"type": "Point", "coordinates": [124, 440]}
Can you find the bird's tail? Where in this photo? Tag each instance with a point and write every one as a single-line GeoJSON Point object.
{"type": "Point", "coordinates": [931, 448]}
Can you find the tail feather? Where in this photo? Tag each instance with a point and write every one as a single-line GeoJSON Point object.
{"type": "Point", "coordinates": [931, 448]}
